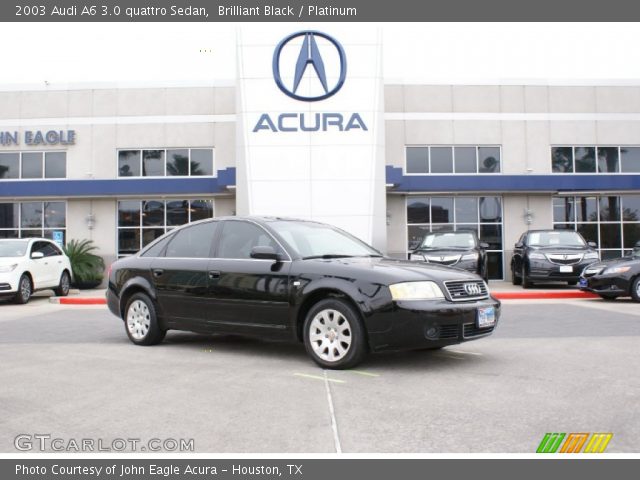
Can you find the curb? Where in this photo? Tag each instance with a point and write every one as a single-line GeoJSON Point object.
{"type": "Point", "coordinates": [78, 301]}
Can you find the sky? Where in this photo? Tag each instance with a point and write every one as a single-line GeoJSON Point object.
{"type": "Point", "coordinates": [59, 53]}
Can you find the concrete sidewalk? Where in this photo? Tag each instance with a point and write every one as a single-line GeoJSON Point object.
{"type": "Point", "coordinates": [500, 289]}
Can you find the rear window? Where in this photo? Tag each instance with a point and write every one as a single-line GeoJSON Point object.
{"type": "Point", "coordinates": [157, 248]}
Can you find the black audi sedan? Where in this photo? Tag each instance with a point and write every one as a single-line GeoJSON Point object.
{"type": "Point", "coordinates": [282, 279]}
{"type": "Point", "coordinates": [459, 249]}
{"type": "Point", "coordinates": [551, 255]}
{"type": "Point", "coordinates": [619, 277]}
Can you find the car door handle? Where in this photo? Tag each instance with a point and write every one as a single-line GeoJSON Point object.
{"type": "Point", "coordinates": [214, 274]}
{"type": "Point", "coordinates": [157, 272]}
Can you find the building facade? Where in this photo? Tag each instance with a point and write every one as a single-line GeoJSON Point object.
{"type": "Point", "coordinates": [122, 165]}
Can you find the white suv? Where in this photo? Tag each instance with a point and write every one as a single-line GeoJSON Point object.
{"type": "Point", "coordinates": [30, 264]}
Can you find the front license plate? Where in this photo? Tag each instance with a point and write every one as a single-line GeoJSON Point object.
{"type": "Point", "coordinates": [566, 269]}
{"type": "Point", "coordinates": [583, 282]}
{"type": "Point", "coordinates": [486, 317]}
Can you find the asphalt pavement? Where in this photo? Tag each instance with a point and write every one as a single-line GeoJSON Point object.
{"type": "Point", "coordinates": [552, 366]}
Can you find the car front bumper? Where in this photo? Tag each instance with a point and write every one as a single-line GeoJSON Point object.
{"type": "Point", "coordinates": [9, 283]}
{"type": "Point", "coordinates": [551, 272]}
{"type": "Point", "coordinates": [430, 324]}
{"type": "Point", "coordinates": [605, 284]}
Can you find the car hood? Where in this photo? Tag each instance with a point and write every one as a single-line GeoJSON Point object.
{"type": "Point", "coordinates": [616, 262]}
{"type": "Point", "coordinates": [9, 260]}
{"type": "Point", "coordinates": [444, 252]}
{"type": "Point", "coordinates": [385, 270]}
{"type": "Point", "coordinates": [561, 249]}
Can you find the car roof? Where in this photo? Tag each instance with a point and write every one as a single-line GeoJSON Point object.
{"type": "Point", "coordinates": [27, 239]}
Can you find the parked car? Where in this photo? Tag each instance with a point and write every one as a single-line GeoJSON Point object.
{"type": "Point", "coordinates": [551, 255]}
{"type": "Point", "coordinates": [619, 277]}
{"type": "Point", "coordinates": [31, 264]}
{"type": "Point", "coordinates": [460, 249]}
{"type": "Point", "coordinates": [295, 280]}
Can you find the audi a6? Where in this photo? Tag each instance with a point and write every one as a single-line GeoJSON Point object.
{"type": "Point", "coordinates": [282, 279]}
{"type": "Point", "coordinates": [551, 255]}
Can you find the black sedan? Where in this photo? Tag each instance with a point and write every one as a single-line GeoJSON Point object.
{"type": "Point", "coordinates": [615, 278]}
{"type": "Point", "coordinates": [459, 249]}
{"type": "Point", "coordinates": [551, 255]}
{"type": "Point", "coordinates": [295, 280]}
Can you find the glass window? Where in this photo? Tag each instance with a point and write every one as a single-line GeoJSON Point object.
{"type": "Point", "coordinates": [589, 231]}
{"type": "Point", "coordinates": [585, 159]}
{"type": "Point", "coordinates": [563, 210]}
{"type": "Point", "coordinates": [32, 165]}
{"type": "Point", "coordinates": [153, 163]}
{"type": "Point", "coordinates": [129, 213]}
{"type": "Point", "coordinates": [442, 209]}
{"type": "Point", "coordinates": [158, 248]}
{"type": "Point", "coordinates": [490, 209]}
{"type": "Point", "coordinates": [608, 161]}
{"type": "Point", "coordinates": [488, 160]}
{"type": "Point", "coordinates": [494, 265]}
{"type": "Point", "coordinates": [562, 160]}
{"type": "Point", "coordinates": [416, 235]}
{"type": "Point", "coordinates": [465, 159]}
{"type": "Point", "coordinates": [9, 165]}
{"type": "Point", "coordinates": [129, 163]}
{"type": "Point", "coordinates": [201, 161]}
{"type": "Point", "coordinates": [193, 241]}
{"type": "Point", "coordinates": [609, 209]}
{"type": "Point", "coordinates": [49, 234]}
{"type": "Point", "coordinates": [54, 215]}
{"type": "Point", "coordinates": [441, 159]}
{"type": "Point", "coordinates": [631, 234]}
{"type": "Point", "coordinates": [417, 160]}
{"type": "Point", "coordinates": [128, 241]}
{"type": "Point", "coordinates": [9, 234]}
{"type": "Point", "coordinates": [150, 234]}
{"type": "Point", "coordinates": [177, 212]}
{"type": "Point", "coordinates": [31, 215]}
{"type": "Point", "coordinates": [630, 159]}
{"type": "Point", "coordinates": [418, 210]}
{"type": "Point", "coordinates": [9, 215]}
{"type": "Point", "coordinates": [610, 235]}
{"type": "Point", "coordinates": [630, 208]}
{"type": "Point", "coordinates": [178, 162]}
{"type": "Point", "coordinates": [238, 238]}
{"type": "Point", "coordinates": [466, 209]}
{"type": "Point", "coordinates": [492, 234]}
{"type": "Point", "coordinates": [153, 213]}
{"type": "Point", "coordinates": [55, 165]}
{"type": "Point", "coordinates": [201, 209]}
{"type": "Point", "coordinates": [586, 209]}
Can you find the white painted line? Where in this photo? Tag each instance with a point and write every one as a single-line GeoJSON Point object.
{"type": "Point", "coordinates": [334, 423]}
{"type": "Point", "coordinates": [318, 377]}
{"type": "Point", "coordinates": [366, 374]}
{"type": "Point", "coordinates": [466, 353]}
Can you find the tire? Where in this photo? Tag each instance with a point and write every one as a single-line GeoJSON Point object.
{"type": "Point", "coordinates": [141, 321]}
{"type": "Point", "coordinates": [608, 297]}
{"type": "Point", "coordinates": [63, 286]}
{"type": "Point", "coordinates": [635, 290]}
{"type": "Point", "coordinates": [333, 334]}
{"type": "Point", "coordinates": [25, 289]}
{"type": "Point", "coordinates": [514, 278]}
{"type": "Point", "coordinates": [526, 283]}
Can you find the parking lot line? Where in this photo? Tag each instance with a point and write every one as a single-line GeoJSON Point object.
{"type": "Point", "coordinates": [334, 422]}
{"type": "Point", "coordinates": [366, 374]}
{"type": "Point", "coordinates": [318, 377]}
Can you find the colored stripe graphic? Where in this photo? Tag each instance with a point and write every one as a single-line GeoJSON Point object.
{"type": "Point", "coordinates": [598, 442]}
{"type": "Point", "coordinates": [574, 442]}
{"type": "Point", "coordinates": [550, 442]}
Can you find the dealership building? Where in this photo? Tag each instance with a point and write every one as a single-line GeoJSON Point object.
{"type": "Point", "coordinates": [311, 129]}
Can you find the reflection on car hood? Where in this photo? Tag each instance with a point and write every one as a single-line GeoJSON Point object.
{"type": "Point", "coordinates": [435, 252]}
{"type": "Point", "coordinates": [386, 270]}
{"type": "Point", "coordinates": [617, 262]}
{"type": "Point", "coordinates": [561, 249]}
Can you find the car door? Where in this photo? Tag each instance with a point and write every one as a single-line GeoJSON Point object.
{"type": "Point", "coordinates": [248, 294]}
{"type": "Point", "coordinates": [39, 267]}
{"type": "Point", "coordinates": [180, 277]}
{"type": "Point", "coordinates": [55, 264]}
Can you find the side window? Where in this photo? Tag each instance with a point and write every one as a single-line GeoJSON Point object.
{"type": "Point", "coordinates": [192, 242]}
{"type": "Point", "coordinates": [238, 238]}
{"type": "Point", "coordinates": [54, 250]}
{"type": "Point", "coordinates": [42, 247]}
{"type": "Point", "coordinates": [158, 247]}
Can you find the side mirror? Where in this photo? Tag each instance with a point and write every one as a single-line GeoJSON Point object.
{"type": "Point", "coordinates": [265, 253]}
{"type": "Point", "coordinates": [519, 245]}
{"type": "Point", "coordinates": [592, 244]}
{"type": "Point", "coordinates": [484, 245]}
{"type": "Point", "coordinates": [37, 255]}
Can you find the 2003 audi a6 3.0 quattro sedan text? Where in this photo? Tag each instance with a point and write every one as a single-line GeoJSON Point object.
{"type": "Point", "coordinates": [283, 279]}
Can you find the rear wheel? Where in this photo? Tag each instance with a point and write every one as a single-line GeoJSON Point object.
{"type": "Point", "coordinates": [635, 290]}
{"type": "Point", "coordinates": [25, 289]}
{"type": "Point", "coordinates": [141, 322]}
{"type": "Point", "coordinates": [333, 334]}
{"type": "Point", "coordinates": [63, 286]}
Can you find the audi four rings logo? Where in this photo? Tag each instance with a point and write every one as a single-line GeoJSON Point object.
{"type": "Point", "coordinates": [309, 57]}
{"type": "Point", "coordinates": [472, 289]}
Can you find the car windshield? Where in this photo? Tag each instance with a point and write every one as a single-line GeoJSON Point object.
{"type": "Point", "coordinates": [449, 240]}
{"type": "Point", "coordinates": [550, 239]}
{"type": "Point", "coordinates": [13, 248]}
{"type": "Point", "coordinates": [316, 240]}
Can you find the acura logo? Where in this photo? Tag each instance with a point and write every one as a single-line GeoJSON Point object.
{"type": "Point", "coordinates": [472, 289]}
{"type": "Point", "coordinates": [310, 58]}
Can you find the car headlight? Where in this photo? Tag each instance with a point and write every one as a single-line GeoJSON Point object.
{"type": "Point", "coordinates": [416, 257]}
{"type": "Point", "coordinates": [537, 256]}
{"type": "Point", "coordinates": [591, 255]}
{"type": "Point", "coordinates": [469, 256]}
{"type": "Point", "coordinates": [611, 270]}
{"type": "Point", "coordinates": [8, 268]}
{"type": "Point", "coordinates": [415, 291]}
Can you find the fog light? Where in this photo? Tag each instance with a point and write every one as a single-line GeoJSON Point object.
{"type": "Point", "coordinates": [432, 332]}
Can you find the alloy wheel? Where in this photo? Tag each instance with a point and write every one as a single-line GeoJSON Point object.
{"type": "Point", "coordinates": [330, 335]}
{"type": "Point", "coordinates": [138, 319]}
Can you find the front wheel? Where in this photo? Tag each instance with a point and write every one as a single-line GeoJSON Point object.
{"type": "Point", "coordinates": [63, 286]}
{"type": "Point", "coordinates": [514, 278]}
{"type": "Point", "coordinates": [635, 290]}
{"type": "Point", "coordinates": [141, 322]}
{"type": "Point", "coordinates": [608, 297]}
{"type": "Point", "coordinates": [25, 289]}
{"type": "Point", "coordinates": [526, 283]}
{"type": "Point", "coordinates": [333, 334]}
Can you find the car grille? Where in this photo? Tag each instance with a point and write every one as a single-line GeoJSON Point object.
{"type": "Point", "coordinates": [565, 259]}
{"type": "Point", "coordinates": [448, 332]}
{"type": "Point", "coordinates": [444, 259]}
{"type": "Point", "coordinates": [471, 330]}
{"type": "Point", "coordinates": [465, 290]}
